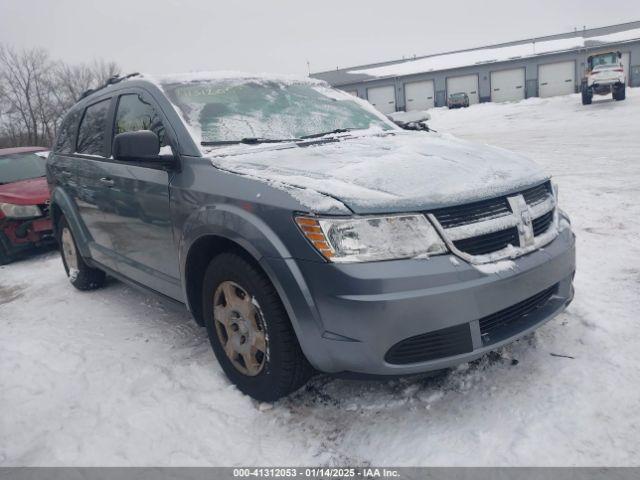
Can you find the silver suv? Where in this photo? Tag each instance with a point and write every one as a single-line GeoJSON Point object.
{"type": "Point", "coordinates": [305, 230]}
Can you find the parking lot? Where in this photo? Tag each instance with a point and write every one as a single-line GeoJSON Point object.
{"type": "Point", "coordinates": [114, 377]}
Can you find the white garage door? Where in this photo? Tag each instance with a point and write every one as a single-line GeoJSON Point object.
{"type": "Point", "coordinates": [507, 85]}
{"type": "Point", "coordinates": [352, 92]}
{"type": "Point", "coordinates": [383, 98]}
{"type": "Point", "coordinates": [626, 65]}
{"type": "Point", "coordinates": [467, 84]}
{"type": "Point", "coordinates": [556, 79]}
{"type": "Point", "coordinates": [418, 95]}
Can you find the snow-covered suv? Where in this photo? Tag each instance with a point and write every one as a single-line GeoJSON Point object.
{"type": "Point", "coordinates": [304, 229]}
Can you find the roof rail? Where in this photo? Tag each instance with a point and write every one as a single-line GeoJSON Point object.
{"type": "Point", "coordinates": [111, 81]}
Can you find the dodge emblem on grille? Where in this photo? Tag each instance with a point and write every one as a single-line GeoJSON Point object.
{"type": "Point", "coordinates": [522, 213]}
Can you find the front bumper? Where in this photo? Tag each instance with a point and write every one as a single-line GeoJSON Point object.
{"type": "Point", "coordinates": [348, 316]}
{"type": "Point", "coordinates": [20, 236]}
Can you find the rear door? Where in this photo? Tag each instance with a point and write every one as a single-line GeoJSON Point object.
{"type": "Point", "coordinates": [556, 79]}
{"type": "Point", "coordinates": [419, 95]}
{"type": "Point", "coordinates": [91, 195]}
{"type": "Point", "coordinates": [464, 84]}
{"type": "Point", "coordinates": [383, 98]}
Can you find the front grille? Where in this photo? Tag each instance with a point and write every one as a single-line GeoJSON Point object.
{"type": "Point", "coordinates": [541, 224]}
{"type": "Point", "coordinates": [430, 346]}
{"type": "Point", "coordinates": [500, 325]}
{"type": "Point", "coordinates": [472, 212]}
{"type": "Point", "coordinates": [488, 226]}
{"type": "Point", "coordinates": [490, 242]}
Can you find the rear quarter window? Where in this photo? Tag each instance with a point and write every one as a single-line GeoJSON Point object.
{"type": "Point", "coordinates": [91, 134]}
{"type": "Point", "coordinates": [66, 138]}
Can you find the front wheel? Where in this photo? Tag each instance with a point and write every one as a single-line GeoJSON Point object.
{"type": "Point", "coordinates": [250, 331]}
{"type": "Point", "coordinates": [587, 96]}
{"type": "Point", "coordinates": [619, 93]}
{"type": "Point", "coordinates": [81, 275]}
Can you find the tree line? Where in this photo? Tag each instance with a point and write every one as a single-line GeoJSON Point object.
{"type": "Point", "coordinates": [36, 91]}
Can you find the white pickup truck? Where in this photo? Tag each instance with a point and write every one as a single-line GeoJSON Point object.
{"type": "Point", "coordinates": [605, 74]}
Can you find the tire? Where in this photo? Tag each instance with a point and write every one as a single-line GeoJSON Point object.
{"type": "Point", "coordinates": [587, 96]}
{"type": "Point", "coordinates": [81, 275]}
{"type": "Point", "coordinates": [619, 93]}
{"type": "Point", "coordinates": [253, 317]}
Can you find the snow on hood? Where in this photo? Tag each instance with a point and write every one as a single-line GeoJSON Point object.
{"type": "Point", "coordinates": [401, 171]}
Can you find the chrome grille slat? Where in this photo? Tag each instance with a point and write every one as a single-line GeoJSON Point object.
{"type": "Point", "coordinates": [542, 224]}
{"type": "Point", "coordinates": [451, 217]}
{"type": "Point", "coordinates": [537, 194]}
{"type": "Point", "coordinates": [491, 242]}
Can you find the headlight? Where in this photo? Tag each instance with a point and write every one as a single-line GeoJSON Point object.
{"type": "Point", "coordinates": [20, 211]}
{"type": "Point", "coordinates": [367, 239]}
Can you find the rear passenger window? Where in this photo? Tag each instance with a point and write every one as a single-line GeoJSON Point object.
{"type": "Point", "coordinates": [66, 138]}
{"type": "Point", "coordinates": [91, 133]}
{"type": "Point", "coordinates": [134, 114]}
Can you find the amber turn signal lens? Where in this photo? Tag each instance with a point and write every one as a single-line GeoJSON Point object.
{"type": "Point", "coordinates": [311, 229]}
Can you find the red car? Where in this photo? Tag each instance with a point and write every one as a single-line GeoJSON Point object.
{"type": "Point", "coordinates": [24, 201]}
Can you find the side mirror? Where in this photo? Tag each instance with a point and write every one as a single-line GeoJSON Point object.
{"type": "Point", "coordinates": [142, 146]}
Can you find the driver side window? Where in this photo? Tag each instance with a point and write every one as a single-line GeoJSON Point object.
{"type": "Point", "coordinates": [134, 114]}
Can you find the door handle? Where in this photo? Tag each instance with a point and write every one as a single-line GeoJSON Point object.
{"type": "Point", "coordinates": [107, 181]}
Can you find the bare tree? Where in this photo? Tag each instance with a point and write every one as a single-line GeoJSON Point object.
{"type": "Point", "coordinates": [35, 93]}
{"type": "Point", "coordinates": [24, 77]}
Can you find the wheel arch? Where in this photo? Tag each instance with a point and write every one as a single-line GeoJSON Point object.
{"type": "Point", "coordinates": [62, 204]}
{"type": "Point", "coordinates": [223, 228]}
{"type": "Point", "coordinates": [198, 257]}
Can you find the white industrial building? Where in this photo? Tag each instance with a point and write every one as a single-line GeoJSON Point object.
{"type": "Point", "coordinates": [543, 66]}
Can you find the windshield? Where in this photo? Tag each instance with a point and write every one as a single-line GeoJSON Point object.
{"type": "Point", "coordinates": [21, 166]}
{"type": "Point", "coordinates": [233, 109]}
{"type": "Point", "coordinates": [606, 60]}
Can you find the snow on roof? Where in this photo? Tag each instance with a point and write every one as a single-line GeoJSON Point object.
{"type": "Point", "coordinates": [492, 55]}
{"type": "Point", "coordinates": [625, 36]}
{"type": "Point", "coordinates": [227, 75]}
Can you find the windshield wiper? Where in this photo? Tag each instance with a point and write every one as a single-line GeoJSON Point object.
{"type": "Point", "coordinates": [248, 141]}
{"type": "Point", "coordinates": [322, 134]}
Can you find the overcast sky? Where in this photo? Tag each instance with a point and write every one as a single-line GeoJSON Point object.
{"type": "Point", "coordinates": [158, 36]}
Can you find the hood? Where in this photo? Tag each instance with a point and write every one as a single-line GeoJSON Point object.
{"type": "Point", "coordinates": [25, 192]}
{"type": "Point", "coordinates": [402, 171]}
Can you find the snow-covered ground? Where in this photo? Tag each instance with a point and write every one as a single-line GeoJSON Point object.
{"type": "Point", "coordinates": [113, 377]}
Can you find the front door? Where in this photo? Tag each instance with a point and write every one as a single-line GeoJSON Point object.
{"type": "Point", "coordinates": [140, 228]}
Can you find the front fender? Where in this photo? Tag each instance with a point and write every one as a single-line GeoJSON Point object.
{"type": "Point", "coordinates": [245, 229]}
{"type": "Point", "coordinates": [235, 224]}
